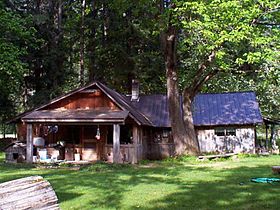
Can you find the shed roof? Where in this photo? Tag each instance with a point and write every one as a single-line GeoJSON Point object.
{"type": "Point", "coordinates": [238, 108]}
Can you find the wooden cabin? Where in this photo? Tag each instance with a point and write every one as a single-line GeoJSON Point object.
{"type": "Point", "coordinates": [97, 123]}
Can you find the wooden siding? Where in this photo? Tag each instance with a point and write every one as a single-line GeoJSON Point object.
{"type": "Point", "coordinates": [127, 152]}
{"type": "Point", "coordinates": [86, 100]}
{"type": "Point", "coordinates": [159, 151]}
{"type": "Point", "coordinates": [21, 131]}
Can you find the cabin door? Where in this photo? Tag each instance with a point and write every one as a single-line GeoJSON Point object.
{"type": "Point", "coordinates": [89, 143]}
{"type": "Point", "coordinates": [93, 142]}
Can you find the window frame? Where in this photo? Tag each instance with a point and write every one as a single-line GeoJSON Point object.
{"type": "Point", "coordinates": [225, 131]}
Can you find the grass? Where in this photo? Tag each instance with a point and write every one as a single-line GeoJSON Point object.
{"type": "Point", "coordinates": [182, 183]}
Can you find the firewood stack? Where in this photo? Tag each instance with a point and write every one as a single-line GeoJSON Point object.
{"type": "Point", "coordinates": [28, 193]}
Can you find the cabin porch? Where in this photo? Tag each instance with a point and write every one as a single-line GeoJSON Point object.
{"type": "Point", "coordinates": [112, 142]}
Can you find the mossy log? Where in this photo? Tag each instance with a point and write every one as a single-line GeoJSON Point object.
{"type": "Point", "coordinates": [28, 193]}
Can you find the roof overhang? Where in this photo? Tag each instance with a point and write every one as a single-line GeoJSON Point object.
{"type": "Point", "coordinates": [76, 116]}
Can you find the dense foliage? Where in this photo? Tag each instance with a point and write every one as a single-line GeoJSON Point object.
{"type": "Point", "coordinates": [48, 47]}
{"type": "Point", "coordinates": [244, 35]}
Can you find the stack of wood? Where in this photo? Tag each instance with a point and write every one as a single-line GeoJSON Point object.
{"type": "Point", "coordinates": [28, 193]}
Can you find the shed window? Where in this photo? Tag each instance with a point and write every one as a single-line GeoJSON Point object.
{"type": "Point", "coordinates": [225, 132]}
{"type": "Point", "coordinates": [220, 132]}
{"type": "Point", "coordinates": [231, 132]}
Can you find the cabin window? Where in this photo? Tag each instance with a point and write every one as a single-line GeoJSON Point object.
{"type": "Point", "coordinates": [225, 132]}
{"type": "Point", "coordinates": [126, 136]}
{"type": "Point", "coordinates": [162, 136]}
{"type": "Point", "coordinates": [220, 132]}
{"type": "Point", "coordinates": [166, 133]}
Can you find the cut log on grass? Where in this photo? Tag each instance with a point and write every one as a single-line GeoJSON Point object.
{"type": "Point", "coordinates": [210, 157]}
{"type": "Point", "coordinates": [28, 193]}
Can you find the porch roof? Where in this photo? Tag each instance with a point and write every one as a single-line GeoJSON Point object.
{"type": "Point", "coordinates": [76, 115]}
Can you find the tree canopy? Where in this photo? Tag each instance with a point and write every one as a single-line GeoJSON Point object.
{"type": "Point", "coordinates": [52, 46]}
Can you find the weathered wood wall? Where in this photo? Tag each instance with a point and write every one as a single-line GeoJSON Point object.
{"type": "Point", "coordinates": [15, 153]}
{"type": "Point", "coordinates": [97, 100]}
{"type": "Point", "coordinates": [243, 142]}
{"type": "Point", "coordinates": [127, 153]}
{"type": "Point", "coordinates": [159, 151]}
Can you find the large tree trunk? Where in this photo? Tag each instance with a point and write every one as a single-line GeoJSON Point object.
{"type": "Point", "coordinates": [188, 121]}
{"type": "Point", "coordinates": [183, 131]}
{"type": "Point", "coordinates": [177, 125]}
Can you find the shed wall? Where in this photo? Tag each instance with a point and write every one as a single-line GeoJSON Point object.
{"type": "Point", "coordinates": [243, 142]}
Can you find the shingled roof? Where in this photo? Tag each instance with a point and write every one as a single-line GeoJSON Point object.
{"type": "Point", "coordinates": [220, 109]}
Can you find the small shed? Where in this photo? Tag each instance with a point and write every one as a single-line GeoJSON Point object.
{"type": "Point", "coordinates": [15, 152]}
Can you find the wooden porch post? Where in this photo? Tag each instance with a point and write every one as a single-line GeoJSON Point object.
{"type": "Point", "coordinates": [135, 133]}
{"type": "Point", "coordinates": [116, 143]}
{"type": "Point", "coordinates": [29, 144]}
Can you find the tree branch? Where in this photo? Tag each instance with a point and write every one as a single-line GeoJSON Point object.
{"type": "Point", "coordinates": [203, 80]}
{"type": "Point", "coordinates": [267, 24]}
{"type": "Point", "coordinates": [203, 66]}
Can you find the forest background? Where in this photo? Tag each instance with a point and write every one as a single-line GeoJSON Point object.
{"type": "Point", "coordinates": [48, 47]}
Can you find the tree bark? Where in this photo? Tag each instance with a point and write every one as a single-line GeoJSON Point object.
{"type": "Point", "coordinates": [82, 43]}
{"type": "Point", "coordinates": [188, 121]}
{"type": "Point", "coordinates": [177, 124]}
{"type": "Point", "coordinates": [183, 131]}
{"type": "Point", "coordinates": [92, 42]}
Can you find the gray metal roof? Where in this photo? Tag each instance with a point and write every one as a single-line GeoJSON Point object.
{"type": "Point", "coordinates": [155, 107]}
{"type": "Point", "coordinates": [238, 108]}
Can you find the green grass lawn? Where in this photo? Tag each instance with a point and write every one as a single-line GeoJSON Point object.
{"type": "Point", "coordinates": [170, 184]}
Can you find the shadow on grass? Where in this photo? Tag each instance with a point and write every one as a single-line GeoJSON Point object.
{"type": "Point", "coordinates": [179, 186]}
{"type": "Point", "coordinates": [230, 189]}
